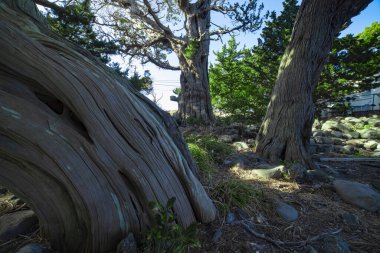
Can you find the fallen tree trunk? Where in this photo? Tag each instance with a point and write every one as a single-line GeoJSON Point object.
{"type": "Point", "coordinates": [80, 146]}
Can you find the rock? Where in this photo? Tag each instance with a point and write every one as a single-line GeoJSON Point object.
{"type": "Point", "coordinates": [351, 135]}
{"type": "Point", "coordinates": [335, 125]}
{"type": "Point", "coordinates": [318, 133]}
{"type": "Point", "coordinates": [272, 172]}
{"type": "Point", "coordinates": [228, 138]}
{"type": "Point", "coordinates": [317, 124]}
{"type": "Point", "coordinates": [324, 148]}
{"type": "Point", "coordinates": [347, 149]}
{"type": "Point", "coordinates": [230, 218]}
{"type": "Point", "coordinates": [286, 211]}
{"type": "Point", "coordinates": [352, 120]}
{"type": "Point", "coordinates": [323, 140]}
{"type": "Point", "coordinates": [337, 141]}
{"type": "Point", "coordinates": [127, 245]}
{"type": "Point", "coordinates": [240, 145]}
{"type": "Point", "coordinates": [318, 176]}
{"type": "Point", "coordinates": [336, 134]}
{"type": "Point", "coordinates": [376, 124]}
{"type": "Point", "coordinates": [356, 142]}
{"type": "Point", "coordinates": [18, 223]}
{"type": "Point", "coordinates": [31, 248]}
{"type": "Point", "coordinates": [376, 184]}
{"type": "Point", "coordinates": [297, 170]}
{"type": "Point", "coordinates": [333, 244]}
{"type": "Point", "coordinates": [358, 194]}
{"type": "Point", "coordinates": [217, 235]}
{"type": "Point", "coordinates": [350, 219]}
{"type": "Point", "coordinates": [328, 170]}
{"type": "Point", "coordinates": [3, 190]}
{"type": "Point", "coordinates": [369, 134]}
{"type": "Point", "coordinates": [251, 131]}
{"type": "Point", "coordinates": [371, 145]}
{"type": "Point", "coordinates": [311, 249]}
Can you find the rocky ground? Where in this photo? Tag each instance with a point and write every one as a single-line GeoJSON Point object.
{"type": "Point", "coordinates": [335, 208]}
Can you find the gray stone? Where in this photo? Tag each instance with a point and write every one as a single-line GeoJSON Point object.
{"type": "Point", "coordinates": [358, 194]}
{"type": "Point", "coordinates": [230, 218]}
{"type": "Point", "coordinates": [347, 149]}
{"type": "Point", "coordinates": [324, 148]}
{"type": "Point", "coordinates": [356, 142]}
{"type": "Point", "coordinates": [3, 190]}
{"type": "Point", "coordinates": [323, 140]}
{"type": "Point", "coordinates": [18, 223]}
{"type": "Point", "coordinates": [335, 125]}
{"type": "Point", "coordinates": [371, 145]}
{"type": "Point", "coordinates": [227, 138]}
{"type": "Point", "coordinates": [267, 173]}
{"type": "Point", "coordinates": [317, 124]}
{"type": "Point", "coordinates": [337, 141]}
{"type": "Point", "coordinates": [286, 211]}
{"type": "Point", "coordinates": [250, 131]}
{"type": "Point", "coordinates": [240, 145]}
{"type": "Point", "coordinates": [350, 219]}
{"type": "Point", "coordinates": [376, 184]}
{"type": "Point", "coordinates": [297, 170]}
{"type": "Point", "coordinates": [333, 244]}
{"type": "Point", "coordinates": [31, 248]}
{"type": "Point", "coordinates": [217, 235]}
{"type": "Point", "coordinates": [127, 245]}
{"type": "Point", "coordinates": [311, 249]}
{"type": "Point", "coordinates": [336, 134]}
{"type": "Point", "coordinates": [318, 133]}
{"type": "Point", "coordinates": [318, 176]}
{"type": "Point", "coordinates": [328, 170]}
{"type": "Point", "coordinates": [369, 133]}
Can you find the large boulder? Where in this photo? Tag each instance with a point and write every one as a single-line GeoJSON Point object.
{"type": "Point", "coordinates": [371, 145]}
{"type": "Point", "coordinates": [334, 125]}
{"type": "Point", "coordinates": [358, 194]}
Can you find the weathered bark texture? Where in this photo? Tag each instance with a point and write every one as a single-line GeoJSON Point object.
{"type": "Point", "coordinates": [286, 130]}
{"type": "Point", "coordinates": [195, 99]}
{"type": "Point", "coordinates": [84, 150]}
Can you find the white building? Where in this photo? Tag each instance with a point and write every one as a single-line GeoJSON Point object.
{"type": "Point", "coordinates": [365, 101]}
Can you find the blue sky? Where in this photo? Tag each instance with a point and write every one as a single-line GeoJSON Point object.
{"type": "Point", "coordinates": [164, 81]}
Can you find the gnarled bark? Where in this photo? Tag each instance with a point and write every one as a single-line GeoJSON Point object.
{"type": "Point", "coordinates": [195, 99]}
{"type": "Point", "coordinates": [81, 147]}
{"type": "Point", "coordinates": [286, 130]}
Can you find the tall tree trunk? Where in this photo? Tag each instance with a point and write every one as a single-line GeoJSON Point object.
{"type": "Point", "coordinates": [286, 130]}
{"type": "Point", "coordinates": [195, 98]}
{"type": "Point", "coordinates": [77, 144]}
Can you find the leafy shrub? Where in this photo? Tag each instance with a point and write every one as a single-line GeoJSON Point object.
{"type": "Point", "coordinates": [166, 235]}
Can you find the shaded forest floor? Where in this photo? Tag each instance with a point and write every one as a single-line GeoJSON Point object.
{"type": "Point", "coordinates": [248, 221]}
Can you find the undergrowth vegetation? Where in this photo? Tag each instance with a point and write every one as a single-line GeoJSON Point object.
{"type": "Point", "coordinates": [166, 235]}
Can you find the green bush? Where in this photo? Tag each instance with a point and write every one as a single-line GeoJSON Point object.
{"type": "Point", "coordinates": [166, 235]}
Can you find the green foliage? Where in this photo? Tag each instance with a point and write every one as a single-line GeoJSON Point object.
{"type": "Point", "coordinates": [167, 236]}
{"type": "Point", "coordinates": [202, 158]}
{"type": "Point", "coordinates": [216, 150]}
{"type": "Point", "coordinates": [232, 88]}
{"type": "Point", "coordinates": [76, 24]}
{"type": "Point", "coordinates": [353, 65]}
{"type": "Point", "coordinates": [177, 91]}
{"type": "Point", "coordinates": [230, 193]}
{"type": "Point", "coordinates": [241, 80]}
{"type": "Point", "coordinates": [191, 49]}
{"type": "Point", "coordinates": [142, 83]}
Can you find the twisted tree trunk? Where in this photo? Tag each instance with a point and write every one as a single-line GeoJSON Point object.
{"type": "Point", "coordinates": [286, 130]}
{"type": "Point", "coordinates": [81, 147]}
{"type": "Point", "coordinates": [195, 99]}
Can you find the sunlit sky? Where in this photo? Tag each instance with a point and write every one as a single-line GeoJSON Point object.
{"type": "Point", "coordinates": [164, 81]}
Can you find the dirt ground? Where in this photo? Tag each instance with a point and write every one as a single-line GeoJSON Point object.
{"type": "Point", "coordinates": [323, 216]}
{"type": "Point", "coordinates": [324, 219]}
